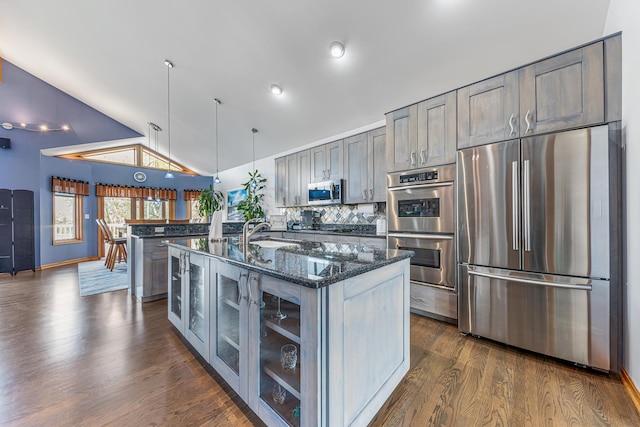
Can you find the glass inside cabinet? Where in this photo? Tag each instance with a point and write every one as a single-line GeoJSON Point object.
{"type": "Point", "coordinates": [228, 321]}
{"type": "Point", "coordinates": [280, 356]}
{"type": "Point", "coordinates": [196, 300]}
{"type": "Point", "coordinates": [176, 287]}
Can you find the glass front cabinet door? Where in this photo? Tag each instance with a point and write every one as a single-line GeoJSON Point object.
{"type": "Point", "coordinates": [176, 287]}
{"type": "Point", "coordinates": [197, 296]}
{"type": "Point", "coordinates": [229, 325]}
{"type": "Point", "coordinates": [286, 387]}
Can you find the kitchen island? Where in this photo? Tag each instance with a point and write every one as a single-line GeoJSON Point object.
{"type": "Point", "coordinates": [307, 333]}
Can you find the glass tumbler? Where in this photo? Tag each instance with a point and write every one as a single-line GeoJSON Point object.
{"type": "Point", "coordinates": [279, 394]}
{"type": "Point", "coordinates": [289, 357]}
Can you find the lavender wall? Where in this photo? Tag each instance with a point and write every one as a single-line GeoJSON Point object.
{"type": "Point", "coordinates": [27, 99]}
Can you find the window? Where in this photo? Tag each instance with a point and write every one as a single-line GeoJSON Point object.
{"type": "Point", "coordinates": [193, 211]}
{"type": "Point", "coordinates": [68, 210]}
{"type": "Point", "coordinates": [154, 209]}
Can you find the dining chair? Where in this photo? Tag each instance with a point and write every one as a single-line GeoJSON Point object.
{"type": "Point", "coordinates": [117, 247]}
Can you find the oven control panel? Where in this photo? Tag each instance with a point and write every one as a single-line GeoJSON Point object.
{"type": "Point", "coordinates": [419, 177]}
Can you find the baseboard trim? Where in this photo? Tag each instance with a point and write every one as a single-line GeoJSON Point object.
{"type": "Point", "coordinates": [67, 262]}
{"type": "Point", "coordinates": [631, 388]}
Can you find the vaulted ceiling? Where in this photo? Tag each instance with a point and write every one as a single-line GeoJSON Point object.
{"type": "Point", "coordinates": [110, 55]}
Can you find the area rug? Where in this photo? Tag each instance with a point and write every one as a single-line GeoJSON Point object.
{"type": "Point", "coordinates": [95, 278]}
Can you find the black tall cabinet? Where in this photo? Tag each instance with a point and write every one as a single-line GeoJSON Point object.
{"type": "Point", "coordinates": [17, 250]}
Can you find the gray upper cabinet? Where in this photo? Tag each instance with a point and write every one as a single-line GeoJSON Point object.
{"type": "Point", "coordinates": [281, 181]}
{"type": "Point", "coordinates": [356, 149]}
{"type": "Point", "coordinates": [296, 179]}
{"type": "Point", "coordinates": [304, 168]}
{"type": "Point", "coordinates": [437, 130]}
{"type": "Point", "coordinates": [326, 162]}
{"type": "Point", "coordinates": [402, 139]}
{"type": "Point", "coordinates": [366, 167]}
{"type": "Point", "coordinates": [293, 180]}
{"type": "Point", "coordinates": [423, 134]}
{"type": "Point", "coordinates": [488, 111]}
{"type": "Point", "coordinates": [563, 92]}
{"type": "Point", "coordinates": [378, 161]}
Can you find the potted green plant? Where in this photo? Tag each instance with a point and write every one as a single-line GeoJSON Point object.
{"type": "Point", "coordinates": [210, 201]}
{"type": "Point", "coordinates": [252, 205]}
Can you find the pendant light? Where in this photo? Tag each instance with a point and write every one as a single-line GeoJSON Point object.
{"type": "Point", "coordinates": [217, 179]}
{"type": "Point", "coordinates": [169, 65]}
{"type": "Point", "coordinates": [254, 184]}
{"type": "Point", "coordinates": [156, 129]}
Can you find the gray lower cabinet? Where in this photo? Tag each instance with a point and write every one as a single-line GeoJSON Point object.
{"type": "Point", "coordinates": [563, 92]}
{"type": "Point", "coordinates": [189, 297]}
{"type": "Point", "coordinates": [268, 338]}
{"type": "Point", "coordinates": [365, 165]}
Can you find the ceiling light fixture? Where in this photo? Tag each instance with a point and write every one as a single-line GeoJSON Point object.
{"type": "Point", "coordinates": [276, 90]}
{"type": "Point", "coordinates": [337, 49]}
{"type": "Point", "coordinates": [33, 128]}
{"type": "Point", "coordinates": [217, 179]}
{"type": "Point", "coordinates": [254, 184]}
{"type": "Point", "coordinates": [156, 129]}
{"type": "Point", "coordinates": [169, 65]}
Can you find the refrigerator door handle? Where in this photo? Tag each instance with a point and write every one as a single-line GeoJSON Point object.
{"type": "Point", "coordinates": [529, 281]}
{"type": "Point", "coordinates": [514, 204]}
{"type": "Point", "coordinates": [527, 206]}
{"type": "Point", "coordinates": [421, 236]}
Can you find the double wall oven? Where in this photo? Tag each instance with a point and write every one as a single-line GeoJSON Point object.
{"type": "Point", "coordinates": [421, 218]}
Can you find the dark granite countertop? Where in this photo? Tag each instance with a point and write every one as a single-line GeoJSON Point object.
{"type": "Point", "coordinates": [310, 264]}
{"type": "Point", "coordinates": [340, 232]}
{"type": "Point", "coordinates": [168, 230]}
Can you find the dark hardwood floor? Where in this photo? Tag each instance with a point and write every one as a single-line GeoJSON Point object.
{"type": "Point", "coordinates": [67, 360]}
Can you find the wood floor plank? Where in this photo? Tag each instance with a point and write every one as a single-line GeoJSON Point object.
{"type": "Point", "coordinates": [108, 360]}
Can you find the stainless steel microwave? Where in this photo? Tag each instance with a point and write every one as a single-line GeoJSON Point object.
{"type": "Point", "coordinates": [326, 193]}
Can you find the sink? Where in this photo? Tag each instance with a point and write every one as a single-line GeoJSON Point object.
{"type": "Point", "coordinates": [272, 243]}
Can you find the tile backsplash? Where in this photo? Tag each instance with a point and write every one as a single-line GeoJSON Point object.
{"type": "Point", "coordinates": [340, 214]}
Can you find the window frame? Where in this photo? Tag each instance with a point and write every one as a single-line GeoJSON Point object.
{"type": "Point", "coordinates": [78, 223]}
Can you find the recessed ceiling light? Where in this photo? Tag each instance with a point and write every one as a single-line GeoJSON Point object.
{"type": "Point", "coordinates": [336, 49]}
{"type": "Point", "coordinates": [276, 90]}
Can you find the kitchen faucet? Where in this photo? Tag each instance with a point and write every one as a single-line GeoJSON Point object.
{"type": "Point", "coordinates": [246, 233]}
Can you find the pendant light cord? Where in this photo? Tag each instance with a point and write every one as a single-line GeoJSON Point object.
{"type": "Point", "coordinates": [254, 131]}
{"type": "Point", "coordinates": [217, 101]}
{"type": "Point", "coordinates": [169, 66]}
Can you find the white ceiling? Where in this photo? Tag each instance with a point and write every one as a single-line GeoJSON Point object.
{"type": "Point", "coordinates": [110, 54]}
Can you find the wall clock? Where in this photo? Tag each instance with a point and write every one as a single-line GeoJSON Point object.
{"type": "Point", "coordinates": [140, 176]}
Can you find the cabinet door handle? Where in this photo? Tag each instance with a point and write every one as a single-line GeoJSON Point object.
{"type": "Point", "coordinates": [240, 297]}
{"type": "Point", "coordinates": [422, 159]}
{"type": "Point", "coordinates": [251, 300]}
{"type": "Point", "coordinates": [513, 129]}
{"type": "Point", "coordinates": [371, 194]}
{"type": "Point", "coordinates": [526, 119]}
{"type": "Point", "coordinates": [364, 194]}
{"type": "Point", "coordinates": [413, 158]}
{"type": "Point", "coordinates": [515, 191]}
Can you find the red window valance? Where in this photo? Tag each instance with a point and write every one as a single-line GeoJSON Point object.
{"type": "Point", "coordinates": [108, 190]}
{"type": "Point", "coordinates": [68, 185]}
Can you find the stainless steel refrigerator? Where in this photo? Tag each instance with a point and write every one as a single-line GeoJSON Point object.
{"type": "Point", "coordinates": [537, 248]}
